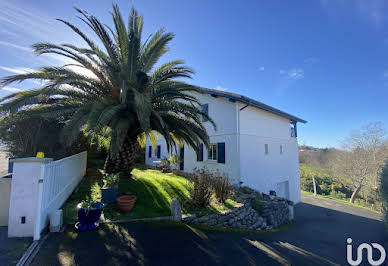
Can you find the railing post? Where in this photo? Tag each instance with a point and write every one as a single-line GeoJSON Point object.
{"type": "Point", "coordinates": [38, 215]}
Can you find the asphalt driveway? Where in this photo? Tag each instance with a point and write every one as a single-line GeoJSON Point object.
{"type": "Point", "coordinates": [318, 237]}
{"type": "Point", "coordinates": [11, 249]}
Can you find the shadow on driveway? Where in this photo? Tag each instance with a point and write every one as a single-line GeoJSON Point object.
{"type": "Point", "coordinates": [318, 237]}
{"type": "Point", "coordinates": [11, 249]}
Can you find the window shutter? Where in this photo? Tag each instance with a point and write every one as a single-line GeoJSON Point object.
{"type": "Point", "coordinates": [149, 151]}
{"type": "Point", "coordinates": [221, 152]}
{"type": "Point", "coordinates": [200, 153]}
{"type": "Point", "coordinates": [158, 154]}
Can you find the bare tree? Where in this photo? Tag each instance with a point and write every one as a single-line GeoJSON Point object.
{"type": "Point", "coordinates": [363, 156]}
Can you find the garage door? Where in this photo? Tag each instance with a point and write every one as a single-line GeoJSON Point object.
{"type": "Point", "coordinates": [282, 190]}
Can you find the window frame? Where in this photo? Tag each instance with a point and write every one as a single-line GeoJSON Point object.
{"type": "Point", "coordinates": [266, 149]}
{"type": "Point", "coordinates": [212, 152]}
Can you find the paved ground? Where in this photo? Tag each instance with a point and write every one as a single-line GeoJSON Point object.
{"type": "Point", "coordinates": [318, 237]}
{"type": "Point", "coordinates": [11, 249]}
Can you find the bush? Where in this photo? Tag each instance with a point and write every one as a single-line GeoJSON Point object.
{"type": "Point", "coordinates": [384, 192]}
{"type": "Point", "coordinates": [222, 188]}
{"type": "Point", "coordinates": [337, 195]}
{"type": "Point", "coordinates": [202, 189]}
{"type": "Point", "coordinates": [257, 205]}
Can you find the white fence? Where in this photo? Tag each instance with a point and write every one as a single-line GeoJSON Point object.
{"type": "Point", "coordinates": [57, 181]}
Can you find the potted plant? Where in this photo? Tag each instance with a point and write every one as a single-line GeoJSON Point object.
{"type": "Point", "coordinates": [110, 188]}
{"type": "Point", "coordinates": [126, 202]}
{"type": "Point", "coordinates": [89, 213]}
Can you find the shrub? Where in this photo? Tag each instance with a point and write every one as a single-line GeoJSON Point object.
{"type": "Point", "coordinates": [111, 180]}
{"type": "Point", "coordinates": [246, 190]}
{"type": "Point", "coordinates": [202, 189]}
{"type": "Point", "coordinates": [337, 195]}
{"type": "Point", "coordinates": [384, 191]}
{"type": "Point", "coordinates": [257, 205]}
{"type": "Point", "coordinates": [222, 188]}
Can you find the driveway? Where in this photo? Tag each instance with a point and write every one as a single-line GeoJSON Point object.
{"type": "Point", "coordinates": [11, 249]}
{"type": "Point", "coordinates": [318, 237]}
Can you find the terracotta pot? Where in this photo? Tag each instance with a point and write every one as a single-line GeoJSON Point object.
{"type": "Point", "coordinates": [126, 202]}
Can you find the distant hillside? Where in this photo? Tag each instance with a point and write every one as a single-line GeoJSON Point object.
{"type": "Point", "coordinates": [316, 157]}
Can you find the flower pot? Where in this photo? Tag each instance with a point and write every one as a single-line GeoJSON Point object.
{"type": "Point", "coordinates": [88, 217]}
{"type": "Point", "coordinates": [126, 202]}
{"type": "Point", "coordinates": [109, 195]}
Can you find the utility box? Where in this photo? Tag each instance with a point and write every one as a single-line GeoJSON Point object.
{"type": "Point", "coordinates": [56, 221]}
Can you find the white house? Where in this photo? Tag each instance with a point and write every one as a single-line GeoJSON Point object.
{"type": "Point", "coordinates": [254, 144]}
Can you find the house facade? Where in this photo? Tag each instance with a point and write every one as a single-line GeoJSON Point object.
{"type": "Point", "coordinates": [254, 144]}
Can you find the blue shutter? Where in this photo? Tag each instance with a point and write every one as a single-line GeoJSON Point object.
{"type": "Point", "coordinates": [158, 153]}
{"type": "Point", "coordinates": [149, 151]}
{"type": "Point", "coordinates": [200, 153]}
{"type": "Point", "coordinates": [221, 152]}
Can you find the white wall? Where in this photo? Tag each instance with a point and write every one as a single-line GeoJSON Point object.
{"type": "Point", "coordinates": [245, 133]}
{"type": "Point", "coordinates": [24, 193]}
{"type": "Point", "coordinates": [265, 171]}
{"type": "Point", "coordinates": [223, 112]}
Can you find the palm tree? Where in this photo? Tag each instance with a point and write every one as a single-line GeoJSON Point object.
{"type": "Point", "coordinates": [116, 86]}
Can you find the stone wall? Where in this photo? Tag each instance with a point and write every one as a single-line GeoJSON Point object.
{"type": "Point", "coordinates": [273, 215]}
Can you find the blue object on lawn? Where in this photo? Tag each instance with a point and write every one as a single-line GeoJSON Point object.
{"type": "Point", "coordinates": [88, 217]}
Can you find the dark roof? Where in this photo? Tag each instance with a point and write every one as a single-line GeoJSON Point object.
{"type": "Point", "coordinates": [251, 102]}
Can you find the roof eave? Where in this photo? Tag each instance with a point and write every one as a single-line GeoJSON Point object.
{"type": "Point", "coordinates": [253, 103]}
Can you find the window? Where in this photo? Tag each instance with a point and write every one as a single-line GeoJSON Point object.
{"type": "Point", "coordinates": [149, 151]}
{"type": "Point", "coordinates": [205, 109]}
{"type": "Point", "coordinates": [212, 152]}
{"type": "Point", "coordinates": [265, 148]}
{"type": "Point", "coordinates": [158, 150]}
{"type": "Point", "coordinates": [200, 153]}
{"type": "Point", "coordinates": [281, 149]}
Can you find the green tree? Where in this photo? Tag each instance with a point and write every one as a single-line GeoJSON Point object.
{"type": "Point", "coordinates": [116, 85]}
{"type": "Point", "coordinates": [384, 191]}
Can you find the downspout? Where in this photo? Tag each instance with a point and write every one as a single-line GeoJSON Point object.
{"type": "Point", "coordinates": [238, 139]}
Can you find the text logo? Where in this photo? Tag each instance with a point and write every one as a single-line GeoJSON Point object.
{"type": "Point", "coordinates": [349, 254]}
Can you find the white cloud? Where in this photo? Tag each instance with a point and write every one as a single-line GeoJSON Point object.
{"type": "Point", "coordinates": [23, 48]}
{"type": "Point", "coordinates": [11, 89]}
{"type": "Point", "coordinates": [17, 70]}
{"type": "Point", "coordinates": [261, 68]}
{"type": "Point", "coordinates": [296, 73]}
{"type": "Point", "coordinates": [218, 87]}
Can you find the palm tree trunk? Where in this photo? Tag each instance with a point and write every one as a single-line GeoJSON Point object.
{"type": "Point", "coordinates": [124, 160]}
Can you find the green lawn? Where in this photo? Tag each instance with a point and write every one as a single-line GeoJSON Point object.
{"type": "Point", "coordinates": [154, 191]}
{"type": "Point", "coordinates": [339, 200]}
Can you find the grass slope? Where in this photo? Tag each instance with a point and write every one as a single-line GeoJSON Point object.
{"type": "Point", "coordinates": [154, 191]}
{"type": "Point", "coordinates": [339, 200]}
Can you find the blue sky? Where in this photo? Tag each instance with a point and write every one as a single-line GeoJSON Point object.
{"type": "Point", "coordinates": [324, 61]}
